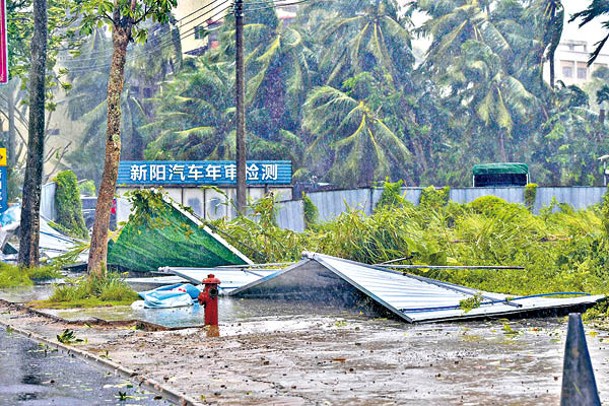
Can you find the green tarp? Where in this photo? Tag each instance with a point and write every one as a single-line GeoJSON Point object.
{"type": "Point", "coordinates": [501, 169]}
{"type": "Point", "coordinates": [170, 236]}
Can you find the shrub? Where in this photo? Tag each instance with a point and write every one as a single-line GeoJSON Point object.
{"type": "Point", "coordinates": [432, 198]}
{"type": "Point", "coordinates": [87, 188]}
{"type": "Point", "coordinates": [90, 291]}
{"type": "Point", "coordinates": [391, 196]}
{"type": "Point", "coordinates": [69, 206]}
{"type": "Point", "coordinates": [530, 194]}
{"type": "Point", "coordinates": [311, 213]}
{"type": "Point", "coordinates": [13, 276]}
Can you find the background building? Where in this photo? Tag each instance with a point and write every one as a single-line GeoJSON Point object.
{"type": "Point", "coordinates": [571, 58]}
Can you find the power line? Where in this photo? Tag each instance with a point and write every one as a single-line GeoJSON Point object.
{"type": "Point", "coordinates": [165, 43]}
{"type": "Point", "coordinates": [275, 4]}
{"type": "Point", "coordinates": [190, 32]}
{"type": "Point", "coordinates": [90, 56]}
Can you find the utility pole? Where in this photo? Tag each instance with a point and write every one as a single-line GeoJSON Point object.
{"type": "Point", "coordinates": [240, 100]}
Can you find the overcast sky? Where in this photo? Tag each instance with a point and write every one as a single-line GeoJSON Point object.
{"type": "Point", "coordinates": [591, 32]}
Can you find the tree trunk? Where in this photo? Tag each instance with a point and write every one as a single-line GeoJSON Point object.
{"type": "Point", "coordinates": [552, 68]}
{"type": "Point", "coordinates": [601, 116]}
{"type": "Point", "coordinates": [502, 152]}
{"type": "Point", "coordinates": [29, 235]}
{"type": "Point", "coordinates": [240, 104]}
{"type": "Point", "coordinates": [12, 150]}
{"type": "Point", "coordinates": [98, 251]}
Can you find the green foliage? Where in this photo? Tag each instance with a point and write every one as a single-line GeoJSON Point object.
{"type": "Point", "coordinates": [69, 206]}
{"type": "Point", "coordinates": [91, 291]}
{"type": "Point", "coordinates": [604, 210]}
{"type": "Point", "coordinates": [311, 213]}
{"type": "Point", "coordinates": [259, 237]}
{"type": "Point", "coordinates": [432, 198]}
{"type": "Point", "coordinates": [68, 337]}
{"type": "Point", "coordinates": [561, 249]}
{"type": "Point", "coordinates": [471, 303]}
{"type": "Point", "coordinates": [87, 188]}
{"type": "Point", "coordinates": [392, 195]}
{"type": "Point", "coordinates": [14, 276]}
{"type": "Point", "coordinates": [530, 194]}
{"type": "Point", "coordinates": [265, 209]}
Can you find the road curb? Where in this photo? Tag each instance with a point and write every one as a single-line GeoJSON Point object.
{"type": "Point", "coordinates": [168, 393]}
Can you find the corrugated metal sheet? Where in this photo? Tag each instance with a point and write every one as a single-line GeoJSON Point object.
{"type": "Point", "coordinates": [578, 197]}
{"type": "Point", "coordinates": [230, 278]}
{"type": "Point", "coordinates": [290, 216]}
{"type": "Point", "coordinates": [47, 201]}
{"type": "Point", "coordinates": [411, 298]}
{"type": "Point", "coordinates": [510, 194]}
{"type": "Point", "coordinates": [331, 204]}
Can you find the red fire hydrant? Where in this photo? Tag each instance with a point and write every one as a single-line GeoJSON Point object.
{"type": "Point", "coordinates": [209, 299]}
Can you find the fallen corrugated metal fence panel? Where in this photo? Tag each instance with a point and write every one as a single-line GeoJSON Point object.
{"type": "Point", "coordinates": [322, 278]}
{"type": "Point", "coordinates": [230, 278]}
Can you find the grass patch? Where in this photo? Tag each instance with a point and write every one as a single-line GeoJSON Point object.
{"type": "Point", "coordinates": [89, 291]}
{"type": "Point", "coordinates": [11, 276]}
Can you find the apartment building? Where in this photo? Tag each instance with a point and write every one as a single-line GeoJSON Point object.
{"type": "Point", "coordinates": [571, 61]}
{"type": "Point", "coordinates": [571, 57]}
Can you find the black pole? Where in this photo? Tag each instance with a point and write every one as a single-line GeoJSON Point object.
{"type": "Point", "coordinates": [240, 100]}
{"type": "Point", "coordinates": [578, 383]}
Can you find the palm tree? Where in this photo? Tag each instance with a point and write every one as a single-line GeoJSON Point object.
{"type": "Point", "coordinates": [29, 230]}
{"type": "Point", "coordinates": [595, 10]}
{"type": "Point", "coordinates": [280, 69]}
{"type": "Point", "coordinates": [549, 17]}
{"type": "Point", "coordinates": [351, 141]}
{"type": "Point", "coordinates": [365, 36]}
{"type": "Point", "coordinates": [194, 115]}
{"type": "Point", "coordinates": [496, 97]}
{"type": "Point", "coordinates": [452, 23]}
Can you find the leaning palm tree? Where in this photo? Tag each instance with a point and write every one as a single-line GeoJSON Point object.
{"type": "Point", "coordinates": [548, 17]}
{"type": "Point", "coordinates": [453, 22]}
{"type": "Point", "coordinates": [497, 97]}
{"type": "Point", "coordinates": [595, 10]}
{"type": "Point", "coordinates": [351, 141]}
{"type": "Point", "coordinates": [194, 115]}
{"type": "Point", "coordinates": [363, 36]}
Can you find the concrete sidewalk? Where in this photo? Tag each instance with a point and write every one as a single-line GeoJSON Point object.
{"type": "Point", "coordinates": [293, 354]}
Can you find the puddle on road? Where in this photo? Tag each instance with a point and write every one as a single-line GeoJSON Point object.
{"type": "Point", "coordinates": [339, 357]}
{"type": "Point", "coordinates": [34, 374]}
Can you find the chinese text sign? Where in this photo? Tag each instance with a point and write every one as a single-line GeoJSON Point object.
{"type": "Point", "coordinates": [159, 173]}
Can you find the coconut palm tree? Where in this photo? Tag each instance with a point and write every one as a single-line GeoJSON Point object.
{"type": "Point", "coordinates": [452, 23]}
{"type": "Point", "coordinates": [364, 36]}
{"type": "Point", "coordinates": [496, 97]}
{"type": "Point", "coordinates": [351, 141]}
{"type": "Point", "coordinates": [595, 10]}
{"type": "Point", "coordinates": [194, 115]}
{"type": "Point", "coordinates": [548, 16]}
{"type": "Point", "coordinates": [280, 69]}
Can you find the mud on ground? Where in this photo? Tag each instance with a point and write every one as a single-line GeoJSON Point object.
{"type": "Point", "coordinates": [340, 359]}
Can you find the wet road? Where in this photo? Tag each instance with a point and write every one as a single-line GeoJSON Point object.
{"type": "Point", "coordinates": [35, 374]}
{"type": "Point", "coordinates": [298, 354]}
